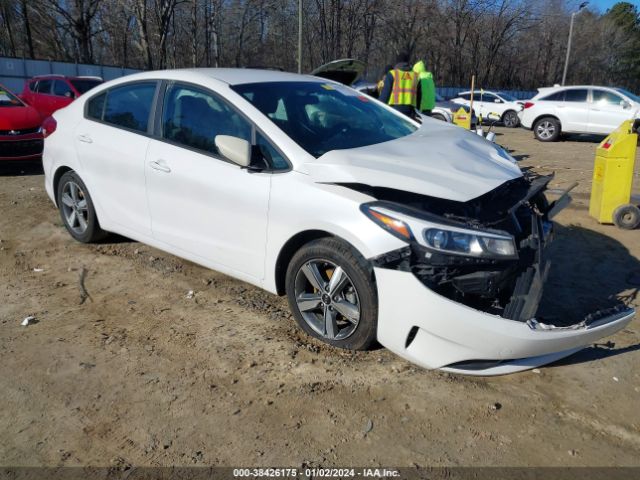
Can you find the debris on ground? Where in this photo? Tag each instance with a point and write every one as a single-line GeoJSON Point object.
{"type": "Point", "coordinates": [83, 291]}
{"type": "Point", "coordinates": [190, 294]}
{"type": "Point", "coordinates": [30, 320]}
{"type": "Point", "coordinates": [368, 426]}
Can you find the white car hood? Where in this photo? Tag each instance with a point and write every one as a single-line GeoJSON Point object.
{"type": "Point", "coordinates": [438, 160]}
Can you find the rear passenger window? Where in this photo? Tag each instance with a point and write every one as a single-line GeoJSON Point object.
{"type": "Point", "coordinates": [555, 97]}
{"type": "Point", "coordinates": [61, 89]}
{"type": "Point", "coordinates": [579, 95]}
{"type": "Point", "coordinates": [44, 86]}
{"type": "Point", "coordinates": [95, 107]}
{"type": "Point", "coordinates": [129, 106]}
{"type": "Point", "coordinates": [194, 118]}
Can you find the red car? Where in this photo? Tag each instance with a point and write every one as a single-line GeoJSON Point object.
{"type": "Point", "coordinates": [20, 131]}
{"type": "Point", "coordinates": [48, 93]}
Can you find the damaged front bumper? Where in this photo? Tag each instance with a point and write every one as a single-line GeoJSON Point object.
{"type": "Point", "coordinates": [436, 332]}
{"type": "Point", "coordinates": [479, 317]}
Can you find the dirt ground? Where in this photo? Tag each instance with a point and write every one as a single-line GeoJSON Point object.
{"type": "Point", "coordinates": [140, 374]}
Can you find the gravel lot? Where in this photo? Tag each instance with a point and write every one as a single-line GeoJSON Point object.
{"type": "Point", "coordinates": [138, 373]}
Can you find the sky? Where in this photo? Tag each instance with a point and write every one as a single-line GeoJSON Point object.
{"type": "Point", "coordinates": [603, 5]}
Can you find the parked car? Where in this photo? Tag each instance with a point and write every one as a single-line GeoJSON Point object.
{"type": "Point", "coordinates": [578, 109]}
{"type": "Point", "coordinates": [20, 133]}
{"type": "Point", "coordinates": [486, 102]}
{"type": "Point", "coordinates": [48, 93]}
{"type": "Point", "coordinates": [428, 239]}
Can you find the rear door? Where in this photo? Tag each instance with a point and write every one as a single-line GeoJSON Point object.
{"type": "Point", "coordinates": [574, 111]}
{"type": "Point", "coordinates": [112, 142]}
{"type": "Point", "coordinates": [62, 95]}
{"type": "Point", "coordinates": [607, 111]}
{"type": "Point", "coordinates": [42, 97]}
{"type": "Point", "coordinates": [200, 202]}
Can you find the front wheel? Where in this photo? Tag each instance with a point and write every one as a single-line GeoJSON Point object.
{"type": "Point", "coordinates": [510, 119]}
{"type": "Point", "coordinates": [627, 217]}
{"type": "Point", "coordinates": [332, 294]}
{"type": "Point", "coordinates": [76, 209]}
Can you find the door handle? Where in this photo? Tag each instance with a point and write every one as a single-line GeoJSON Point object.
{"type": "Point", "coordinates": [595, 109]}
{"type": "Point", "coordinates": [160, 166]}
{"type": "Point", "coordinates": [85, 138]}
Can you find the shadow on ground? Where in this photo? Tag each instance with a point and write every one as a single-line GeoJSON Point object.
{"type": "Point", "coordinates": [19, 169]}
{"type": "Point", "coordinates": [589, 271]}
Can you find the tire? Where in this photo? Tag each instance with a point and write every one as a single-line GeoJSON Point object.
{"type": "Point", "coordinates": [320, 314]}
{"type": "Point", "coordinates": [76, 209]}
{"type": "Point", "coordinates": [510, 119]}
{"type": "Point", "coordinates": [547, 129]}
{"type": "Point", "coordinates": [627, 216]}
{"type": "Point", "coordinates": [438, 116]}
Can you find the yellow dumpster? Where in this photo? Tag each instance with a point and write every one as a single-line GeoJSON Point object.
{"type": "Point", "coordinates": [462, 118]}
{"type": "Point", "coordinates": [612, 178]}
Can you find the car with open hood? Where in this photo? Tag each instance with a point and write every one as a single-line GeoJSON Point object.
{"type": "Point", "coordinates": [426, 238]}
{"type": "Point", "coordinates": [20, 132]}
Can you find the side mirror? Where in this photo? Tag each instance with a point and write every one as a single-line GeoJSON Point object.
{"type": "Point", "coordinates": [69, 94]}
{"type": "Point", "coordinates": [235, 149]}
{"type": "Point", "coordinates": [625, 104]}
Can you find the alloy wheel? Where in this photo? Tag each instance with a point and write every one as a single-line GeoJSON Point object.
{"type": "Point", "coordinates": [510, 120]}
{"type": "Point", "coordinates": [74, 207]}
{"type": "Point", "coordinates": [545, 129]}
{"type": "Point", "coordinates": [327, 299]}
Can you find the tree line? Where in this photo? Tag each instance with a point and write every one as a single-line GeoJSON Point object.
{"type": "Point", "coordinates": [515, 44]}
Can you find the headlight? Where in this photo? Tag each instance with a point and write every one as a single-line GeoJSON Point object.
{"type": "Point", "coordinates": [473, 244]}
{"type": "Point", "coordinates": [449, 239]}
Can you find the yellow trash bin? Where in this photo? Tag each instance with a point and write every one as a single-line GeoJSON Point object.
{"type": "Point", "coordinates": [462, 118]}
{"type": "Point", "coordinates": [612, 179]}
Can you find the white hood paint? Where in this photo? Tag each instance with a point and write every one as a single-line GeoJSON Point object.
{"type": "Point", "coordinates": [438, 160]}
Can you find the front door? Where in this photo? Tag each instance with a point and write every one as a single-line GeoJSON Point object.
{"type": "Point", "coordinates": [607, 112]}
{"type": "Point", "coordinates": [201, 203]}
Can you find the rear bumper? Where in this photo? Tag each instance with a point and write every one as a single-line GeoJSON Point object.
{"type": "Point", "coordinates": [435, 332]}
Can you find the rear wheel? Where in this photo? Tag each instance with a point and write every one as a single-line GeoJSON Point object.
{"type": "Point", "coordinates": [627, 216]}
{"type": "Point", "coordinates": [76, 209]}
{"type": "Point", "coordinates": [547, 129]}
{"type": "Point", "coordinates": [332, 294]}
{"type": "Point", "coordinates": [510, 119]}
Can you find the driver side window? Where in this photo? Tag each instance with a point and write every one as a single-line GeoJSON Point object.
{"type": "Point", "coordinates": [193, 117]}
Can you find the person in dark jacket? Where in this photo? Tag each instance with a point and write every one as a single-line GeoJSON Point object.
{"type": "Point", "coordinates": [401, 88]}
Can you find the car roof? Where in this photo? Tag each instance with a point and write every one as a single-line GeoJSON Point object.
{"type": "Point", "coordinates": [569, 87]}
{"type": "Point", "coordinates": [231, 76]}
{"type": "Point", "coordinates": [52, 76]}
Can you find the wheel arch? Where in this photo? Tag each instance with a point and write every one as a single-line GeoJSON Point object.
{"type": "Point", "coordinates": [295, 243]}
{"type": "Point", "coordinates": [56, 180]}
{"type": "Point", "coordinates": [507, 111]}
{"type": "Point", "coordinates": [545, 115]}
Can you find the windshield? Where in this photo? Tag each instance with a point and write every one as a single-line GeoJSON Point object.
{"type": "Point", "coordinates": [84, 85]}
{"type": "Point", "coordinates": [321, 117]}
{"type": "Point", "coordinates": [507, 97]}
{"type": "Point", "coordinates": [627, 93]}
{"type": "Point", "coordinates": [8, 99]}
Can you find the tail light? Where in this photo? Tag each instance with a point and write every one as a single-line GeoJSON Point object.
{"type": "Point", "coordinates": [49, 126]}
{"type": "Point", "coordinates": [528, 104]}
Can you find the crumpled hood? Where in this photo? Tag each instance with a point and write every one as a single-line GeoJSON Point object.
{"type": "Point", "coordinates": [438, 160]}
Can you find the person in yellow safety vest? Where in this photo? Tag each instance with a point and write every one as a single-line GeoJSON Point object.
{"type": "Point", "coordinates": [427, 89]}
{"type": "Point", "coordinates": [401, 88]}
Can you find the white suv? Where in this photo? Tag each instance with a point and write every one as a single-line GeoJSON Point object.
{"type": "Point", "coordinates": [487, 102]}
{"type": "Point", "coordinates": [578, 109]}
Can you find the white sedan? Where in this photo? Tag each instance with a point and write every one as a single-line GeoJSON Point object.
{"type": "Point", "coordinates": [428, 239]}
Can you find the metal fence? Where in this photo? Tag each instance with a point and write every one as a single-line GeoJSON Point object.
{"type": "Point", "coordinates": [14, 71]}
